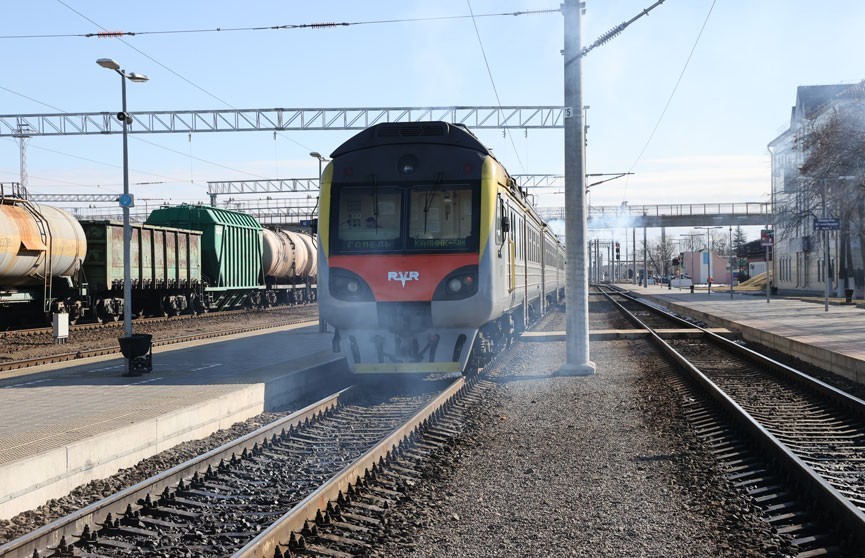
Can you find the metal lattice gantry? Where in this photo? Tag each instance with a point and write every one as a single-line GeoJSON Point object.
{"type": "Point", "coordinates": [276, 214]}
{"type": "Point", "coordinates": [268, 186]}
{"type": "Point", "coordinates": [671, 215]}
{"type": "Point", "coordinates": [80, 198]}
{"type": "Point", "coordinates": [276, 119]}
{"type": "Point", "coordinates": [286, 185]}
{"type": "Point", "coordinates": [539, 180]}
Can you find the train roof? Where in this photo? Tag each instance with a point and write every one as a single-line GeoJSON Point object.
{"type": "Point", "coordinates": [185, 215]}
{"type": "Point", "coordinates": [395, 133]}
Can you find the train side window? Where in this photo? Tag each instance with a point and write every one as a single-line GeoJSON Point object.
{"type": "Point", "coordinates": [499, 222]}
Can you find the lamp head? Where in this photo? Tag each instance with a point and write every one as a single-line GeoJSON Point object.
{"type": "Point", "coordinates": [138, 78]}
{"type": "Point", "coordinates": [108, 63]}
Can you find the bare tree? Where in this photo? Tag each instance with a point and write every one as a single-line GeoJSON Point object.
{"type": "Point", "coordinates": [832, 182]}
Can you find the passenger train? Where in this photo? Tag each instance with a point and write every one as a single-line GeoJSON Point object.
{"type": "Point", "coordinates": [431, 259]}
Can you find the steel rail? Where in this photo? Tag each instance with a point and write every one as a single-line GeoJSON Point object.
{"type": "Point", "coordinates": [295, 519]}
{"type": "Point", "coordinates": [853, 404]}
{"type": "Point", "coordinates": [87, 326]}
{"type": "Point", "coordinates": [65, 357]}
{"type": "Point", "coordinates": [74, 524]}
{"type": "Point", "coordinates": [822, 494]}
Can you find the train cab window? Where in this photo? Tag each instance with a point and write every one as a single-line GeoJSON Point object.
{"type": "Point", "coordinates": [441, 218]}
{"type": "Point", "coordinates": [368, 219]}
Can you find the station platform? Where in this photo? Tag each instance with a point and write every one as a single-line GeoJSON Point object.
{"type": "Point", "coordinates": [64, 425]}
{"type": "Point", "coordinates": [833, 340]}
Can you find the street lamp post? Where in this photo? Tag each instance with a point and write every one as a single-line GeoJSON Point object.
{"type": "Point", "coordinates": [321, 160]}
{"type": "Point", "coordinates": [126, 200]}
{"type": "Point", "coordinates": [322, 325]}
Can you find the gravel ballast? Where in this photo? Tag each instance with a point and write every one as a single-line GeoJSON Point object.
{"type": "Point", "coordinates": [549, 466]}
{"type": "Point", "coordinates": [577, 466]}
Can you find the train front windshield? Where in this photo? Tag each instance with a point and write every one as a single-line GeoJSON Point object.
{"type": "Point", "coordinates": [405, 219]}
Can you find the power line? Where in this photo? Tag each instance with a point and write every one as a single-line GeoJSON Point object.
{"type": "Point", "coordinates": [134, 137]}
{"type": "Point", "coordinates": [30, 98]}
{"type": "Point", "coordinates": [676, 86]}
{"type": "Point", "coordinates": [615, 31]}
{"type": "Point", "coordinates": [492, 81]}
{"type": "Point", "coordinates": [190, 82]}
{"type": "Point", "coordinates": [105, 33]}
{"type": "Point", "coordinates": [673, 92]}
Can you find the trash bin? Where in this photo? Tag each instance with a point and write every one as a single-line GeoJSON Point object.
{"type": "Point", "coordinates": [692, 288]}
{"type": "Point", "coordinates": [138, 350]}
{"type": "Point", "coordinates": [848, 296]}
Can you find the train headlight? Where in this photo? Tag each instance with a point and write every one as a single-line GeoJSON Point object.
{"type": "Point", "coordinates": [406, 164]}
{"type": "Point", "coordinates": [348, 285]}
{"type": "Point", "coordinates": [458, 284]}
{"type": "Point", "coordinates": [454, 285]}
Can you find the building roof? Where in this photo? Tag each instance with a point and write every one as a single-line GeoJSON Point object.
{"type": "Point", "coordinates": [810, 98]}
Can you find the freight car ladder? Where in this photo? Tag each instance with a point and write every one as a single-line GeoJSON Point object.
{"type": "Point", "coordinates": [45, 236]}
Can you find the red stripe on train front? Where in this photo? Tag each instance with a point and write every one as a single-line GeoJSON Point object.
{"type": "Point", "coordinates": [403, 278]}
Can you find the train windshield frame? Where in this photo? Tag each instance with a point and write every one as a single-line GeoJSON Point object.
{"type": "Point", "coordinates": [405, 218]}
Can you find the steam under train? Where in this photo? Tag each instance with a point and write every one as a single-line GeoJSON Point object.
{"type": "Point", "coordinates": [183, 259]}
{"type": "Point", "coordinates": [431, 257]}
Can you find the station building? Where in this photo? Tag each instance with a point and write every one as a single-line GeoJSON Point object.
{"type": "Point", "coordinates": [821, 211]}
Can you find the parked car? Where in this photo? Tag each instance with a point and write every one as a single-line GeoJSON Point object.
{"type": "Point", "coordinates": [680, 282]}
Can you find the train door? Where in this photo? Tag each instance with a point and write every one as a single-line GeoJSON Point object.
{"type": "Point", "coordinates": [506, 243]}
{"type": "Point", "coordinates": [512, 256]}
{"type": "Point", "coordinates": [525, 250]}
{"type": "Point", "coordinates": [543, 269]}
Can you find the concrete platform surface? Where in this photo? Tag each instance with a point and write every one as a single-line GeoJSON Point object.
{"type": "Point", "coordinates": [61, 427]}
{"type": "Point", "coordinates": [833, 339]}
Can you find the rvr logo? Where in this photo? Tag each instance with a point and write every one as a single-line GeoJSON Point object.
{"type": "Point", "coordinates": [403, 276]}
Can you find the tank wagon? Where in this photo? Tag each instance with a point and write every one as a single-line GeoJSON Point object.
{"type": "Point", "coordinates": [41, 250]}
{"type": "Point", "coordinates": [183, 259]}
{"type": "Point", "coordinates": [431, 258]}
{"type": "Point", "coordinates": [290, 263]}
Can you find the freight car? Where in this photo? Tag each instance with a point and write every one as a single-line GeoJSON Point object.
{"type": "Point", "coordinates": [431, 257]}
{"type": "Point", "coordinates": [244, 265]}
{"type": "Point", "coordinates": [185, 259]}
{"type": "Point", "coordinates": [41, 250]}
{"type": "Point", "coordinates": [165, 266]}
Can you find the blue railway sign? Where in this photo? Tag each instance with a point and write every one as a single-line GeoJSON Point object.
{"type": "Point", "coordinates": [828, 224]}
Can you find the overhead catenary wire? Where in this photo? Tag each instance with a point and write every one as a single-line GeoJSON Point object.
{"type": "Point", "coordinates": [189, 155]}
{"type": "Point", "coordinates": [615, 31]}
{"type": "Point", "coordinates": [672, 94]}
{"type": "Point", "coordinates": [492, 81]}
{"type": "Point", "coordinates": [160, 64]}
{"type": "Point", "coordinates": [105, 33]}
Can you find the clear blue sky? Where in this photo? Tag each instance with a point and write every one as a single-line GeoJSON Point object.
{"type": "Point", "coordinates": [734, 97]}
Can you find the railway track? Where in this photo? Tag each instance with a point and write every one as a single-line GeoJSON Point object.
{"type": "Point", "coordinates": [319, 482]}
{"type": "Point", "coordinates": [790, 443]}
{"type": "Point", "coordinates": [118, 324]}
{"type": "Point", "coordinates": [109, 345]}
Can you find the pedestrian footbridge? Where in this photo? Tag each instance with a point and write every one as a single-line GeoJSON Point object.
{"type": "Point", "coordinates": [674, 215]}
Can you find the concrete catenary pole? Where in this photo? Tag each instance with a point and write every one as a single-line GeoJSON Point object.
{"type": "Point", "coordinates": [576, 228]}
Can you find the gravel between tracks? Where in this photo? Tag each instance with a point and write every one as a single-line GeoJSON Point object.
{"type": "Point", "coordinates": [564, 466]}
